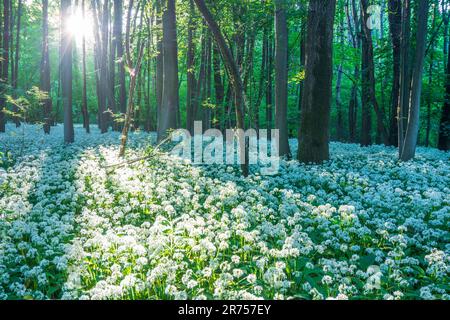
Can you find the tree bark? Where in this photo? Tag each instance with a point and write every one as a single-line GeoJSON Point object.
{"type": "Point", "coordinates": [281, 76]}
{"type": "Point", "coordinates": [45, 69]}
{"type": "Point", "coordinates": [170, 99]}
{"type": "Point", "coordinates": [315, 113]}
{"type": "Point", "coordinates": [84, 107]}
{"type": "Point", "coordinates": [66, 71]}
{"type": "Point", "coordinates": [395, 19]}
{"type": "Point", "coordinates": [5, 62]}
{"type": "Point", "coordinates": [233, 72]}
{"type": "Point", "coordinates": [191, 81]}
{"type": "Point", "coordinates": [412, 129]}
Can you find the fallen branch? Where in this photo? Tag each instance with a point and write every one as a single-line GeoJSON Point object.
{"type": "Point", "coordinates": [121, 164]}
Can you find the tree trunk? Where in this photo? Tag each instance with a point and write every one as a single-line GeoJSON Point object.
{"type": "Point", "coordinates": [281, 76]}
{"type": "Point", "coordinates": [218, 87]}
{"type": "Point", "coordinates": [412, 129]}
{"type": "Point", "coordinates": [84, 107]}
{"type": "Point", "coordinates": [191, 82]}
{"type": "Point", "coordinates": [170, 100]}
{"type": "Point", "coordinates": [45, 69]}
{"type": "Point", "coordinates": [368, 83]}
{"type": "Point", "coordinates": [233, 72]}
{"type": "Point", "coordinates": [315, 114]}
{"type": "Point", "coordinates": [444, 124]}
{"type": "Point", "coordinates": [15, 72]}
{"type": "Point", "coordinates": [5, 62]}
{"type": "Point", "coordinates": [66, 70]}
{"type": "Point", "coordinates": [395, 27]}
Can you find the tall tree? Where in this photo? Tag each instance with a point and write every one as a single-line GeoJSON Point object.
{"type": "Point", "coordinates": [415, 87]}
{"type": "Point", "coordinates": [369, 99]}
{"type": "Point", "coordinates": [281, 76]}
{"type": "Point", "coordinates": [84, 105]}
{"type": "Point", "coordinates": [4, 61]}
{"type": "Point", "coordinates": [45, 69]}
{"type": "Point", "coordinates": [170, 99]}
{"type": "Point", "coordinates": [66, 70]}
{"type": "Point", "coordinates": [118, 40]}
{"type": "Point", "coordinates": [315, 113]}
{"type": "Point", "coordinates": [395, 20]}
{"type": "Point", "coordinates": [190, 65]}
{"type": "Point", "coordinates": [233, 71]}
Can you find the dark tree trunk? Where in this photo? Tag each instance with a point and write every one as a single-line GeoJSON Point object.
{"type": "Point", "coordinates": [444, 124]}
{"type": "Point", "coordinates": [281, 76]}
{"type": "Point", "coordinates": [66, 71]}
{"type": "Point", "coordinates": [315, 114]}
{"type": "Point", "coordinates": [368, 84]}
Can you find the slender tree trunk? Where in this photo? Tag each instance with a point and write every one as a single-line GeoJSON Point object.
{"type": "Point", "coordinates": [444, 123]}
{"type": "Point", "coordinates": [45, 69]}
{"type": "Point", "coordinates": [159, 75]}
{"type": "Point", "coordinates": [269, 88]}
{"type": "Point", "coordinates": [368, 83]}
{"type": "Point", "coordinates": [66, 71]}
{"type": "Point", "coordinates": [15, 72]}
{"type": "Point", "coordinates": [405, 81]}
{"type": "Point", "coordinates": [340, 125]}
{"type": "Point", "coordinates": [170, 100]}
{"type": "Point", "coordinates": [5, 62]}
{"type": "Point", "coordinates": [395, 19]}
{"type": "Point", "coordinates": [191, 81]}
{"type": "Point", "coordinates": [281, 76]}
{"type": "Point", "coordinates": [233, 71]}
{"type": "Point", "coordinates": [218, 86]}
{"type": "Point", "coordinates": [412, 129]}
{"type": "Point", "coordinates": [84, 106]}
{"type": "Point", "coordinates": [118, 38]}
{"type": "Point", "coordinates": [315, 114]}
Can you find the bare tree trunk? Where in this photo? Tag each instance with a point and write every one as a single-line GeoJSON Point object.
{"type": "Point", "coordinates": [170, 99]}
{"type": "Point", "coordinates": [412, 129]}
{"type": "Point", "coordinates": [315, 114]}
{"type": "Point", "coordinates": [134, 72]}
{"type": "Point", "coordinates": [368, 83]}
{"type": "Point", "coordinates": [66, 71]}
{"type": "Point", "coordinates": [84, 107]}
{"type": "Point", "coordinates": [45, 69]}
{"type": "Point", "coordinates": [15, 72]}
{"type": "Point", "coordinates": [218, 86]}
{"type": "Point", "coordinates": [191, 81]}
{"type": "Point", "coordinates": [444, 124]}
{"type": "Point", "coordinates": [340, 125]}
{"type": "Point", "coordinates": [233, 72]}
{"type": "Point", "coordinates": [269, 88]}
{"type": "Point", "coordinates": [395, 19]}
{"type": "Point", "coordinates": [4, 62]}
{"type": "Point", "coordinates": [281, 76]}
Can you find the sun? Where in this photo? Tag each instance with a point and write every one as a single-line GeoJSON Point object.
{"type": "Point", "coordinates": [79, 26]}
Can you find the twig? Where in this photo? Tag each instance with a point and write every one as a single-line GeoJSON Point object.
{"type": "Point", "coordinates": [140, 158]}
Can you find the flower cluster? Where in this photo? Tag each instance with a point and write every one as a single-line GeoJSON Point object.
{"type": "Point", "coordinates": [362, 225]}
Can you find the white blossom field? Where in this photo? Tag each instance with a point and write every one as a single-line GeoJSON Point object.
{"type": "Point", "coordinates": [361, 226]}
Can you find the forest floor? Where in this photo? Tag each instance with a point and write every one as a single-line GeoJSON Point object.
{"type": "Point", "coordinates": [362, 225]}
